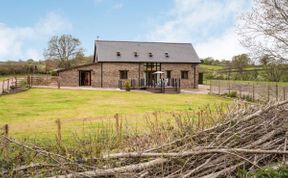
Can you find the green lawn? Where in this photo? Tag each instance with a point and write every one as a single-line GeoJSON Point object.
{"type": "Point", "coordinates": [210, 67]}
{"type": "Point", "coordinates": [33, 113]}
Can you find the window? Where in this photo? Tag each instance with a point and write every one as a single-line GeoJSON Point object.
{"type": "Point", "coordinates": [184, 74]}
{"type": "Point", "coordinates": [166, 55]}
{"type": "Point", "coordinates": [135, 54]}
{"type": "Point", "coordinates": [123, 74]}
{"type": "Point", "coordinates": [168, 74]}
{"type": "Point", "coordinates": [150, 55]}
{"type": "Point", "coordinates": [152, 67]}
{"type": "Point", "coordinates": [118, 54]}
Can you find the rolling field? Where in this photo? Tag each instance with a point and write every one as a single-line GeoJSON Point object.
{"type": "Point", "coordinates": [32, 114]}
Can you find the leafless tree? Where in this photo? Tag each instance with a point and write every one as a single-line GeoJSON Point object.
{"type": "Point", "coordinates": [63, 48]}
{"type": "Point", "coordinates": [264, 29]}
{"type": "Point", "coordinates": [273, 69]}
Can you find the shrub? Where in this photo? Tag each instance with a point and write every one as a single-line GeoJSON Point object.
{"type": "Point", "coordinates": [53, 73]}
{"type": "Point", "coordinates": [247, 98]}
{"type": "Point", "coordinates": [265, 172]}
{"type": "Point", "coordinates": [127, 85]}
{"type": "Point", "coordinates": [232, 94]}
{"type": "Point", "coordinates": [24, 84]}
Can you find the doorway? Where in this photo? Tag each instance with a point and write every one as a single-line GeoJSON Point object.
{"type": "Point", "coordinates": [84, 78]}
{"type": "Point", "coordinates": [151, 79]}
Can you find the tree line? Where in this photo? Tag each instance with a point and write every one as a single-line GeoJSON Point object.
{"type": "Point", "coordinates": [48, 66]}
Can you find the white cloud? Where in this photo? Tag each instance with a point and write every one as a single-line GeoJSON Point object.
{"type": "Point", "coordinates": [14, 40]}
{"type": "Point", "coordinates": [222, 47]}
{"type": "Point", "coordinates": [209, 24]}
{"type": "Point", "coordinates": [33, 53]}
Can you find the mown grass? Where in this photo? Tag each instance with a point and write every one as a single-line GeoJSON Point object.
{"type": "Point", "coordinates": [33, 113]}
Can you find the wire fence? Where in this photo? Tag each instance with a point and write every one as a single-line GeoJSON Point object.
{"type": "Point", "coordinates": [262, 91]}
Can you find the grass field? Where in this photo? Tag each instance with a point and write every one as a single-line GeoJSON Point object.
{"type": "Point", "coordinates": [33, 113]}
{"type": "Point", "coordinates": [210, 67]}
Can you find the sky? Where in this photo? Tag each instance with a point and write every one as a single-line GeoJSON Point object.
{"type": "Point", "coordinates": [210, 25]}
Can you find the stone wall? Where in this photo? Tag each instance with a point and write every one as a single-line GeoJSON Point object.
{"type": "Point", "coordinates": [111, 74]}
{"type": "Point", "coordinates": [71, 77]}
{"type": "Point", "coordinates": [176, 73]}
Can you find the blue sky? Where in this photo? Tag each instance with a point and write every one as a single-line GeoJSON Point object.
{"type": "Point", "coordinates": [26, 26]}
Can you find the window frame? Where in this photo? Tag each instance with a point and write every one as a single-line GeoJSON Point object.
{"type": "Point", "coordinates": [184, 74]}
{"type": "Point", "coordinates": [170, 74]}
{"type": "Point", "coordinates": [124, 76]}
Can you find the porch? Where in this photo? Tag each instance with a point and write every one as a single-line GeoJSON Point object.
{"type": "Point", "coordinates": [156, 86]}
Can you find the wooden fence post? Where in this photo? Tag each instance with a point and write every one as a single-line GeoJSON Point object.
{"type": "Point", "coordinates": [118, 126]}
{"type": "Point", "coordinates": [219, 89]}
{"type": "Point", "coordinates": [16, 82]}
{"type": "Point", "coordinates": [284, 93]}
{"type": "Point", "coordinates": [276, 92]}
{"type": "Point", "coordinates": [268, 92]}
{"type": "Point", "coordinates": [3, 83]}
{"type": "Point", "coordinates": [240, 90]}
{"type": "Point", "coordinates": [59, 135]}
{"type": "Point", "coordinates": [6, 142]}
{"type": "Point", "coordinates": [31, 81]}
{"type": "Point", "coordinates": [28, 80]}
{"type": "Point", "coordinates": [211, 87]}
{"type": "Point", "coordinates": [253, 91]}
{"type": "Point", "coordinates": [229, 86]}
{"type": "Point", "coordinates": [58, 82]}
{"type": "Point", "coordinates": [8, 83]}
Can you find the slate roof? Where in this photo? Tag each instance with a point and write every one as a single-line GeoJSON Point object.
{"type": "Point", "coordinates": [106, 51]}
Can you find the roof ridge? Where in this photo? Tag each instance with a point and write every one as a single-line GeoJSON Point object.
{"type": "Point", "coordinates": [162, 42]}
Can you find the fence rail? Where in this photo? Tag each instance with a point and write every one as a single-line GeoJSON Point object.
{"type": "Point", "coordinates": [263, 91]}
{"type": "Point", "coordinates": [43, 80]}
{"type": "Point", "coordinates": [11, 84]}
{"type": "Point", "coordinates": [172, 85]}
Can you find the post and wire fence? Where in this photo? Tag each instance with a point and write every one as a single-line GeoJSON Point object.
{"type": "Point", "coordinates": [261, 91]}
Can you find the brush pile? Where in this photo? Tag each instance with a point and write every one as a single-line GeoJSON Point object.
{"type": "Point", "coordinates": [247, 139]}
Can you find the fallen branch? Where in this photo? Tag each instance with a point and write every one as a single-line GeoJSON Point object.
{"type": "Point", "coordinates": [119, 170]}
{"type": "Point", "coordinates": [193, 153]}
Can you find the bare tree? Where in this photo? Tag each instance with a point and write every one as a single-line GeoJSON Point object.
{"type": "Point", "coordinates": [241, 61]}
{"type": "Point", "coordinates": [63, 48]}
{"type": "Point", "coordinates": [274, 70]}
{"type": "Point", "coordinates": [264, 30]}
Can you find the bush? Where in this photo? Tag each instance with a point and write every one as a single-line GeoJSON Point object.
{"type": "Point", "coordinates": [232, 94]}
{"type": "Point", "coordinates": [53, 73]}
{"type": "Point", "coordinates": [247, 98]}
{"type": "Point", "coordinates": [265, 172]}
{"type": "Point", "coordinates": [127, 85]}
{"type": "Point", "coordinates": [24, 84]}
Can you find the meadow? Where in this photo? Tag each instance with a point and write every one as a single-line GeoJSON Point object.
{"type": "Point", "coordinates": [32, 114]}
